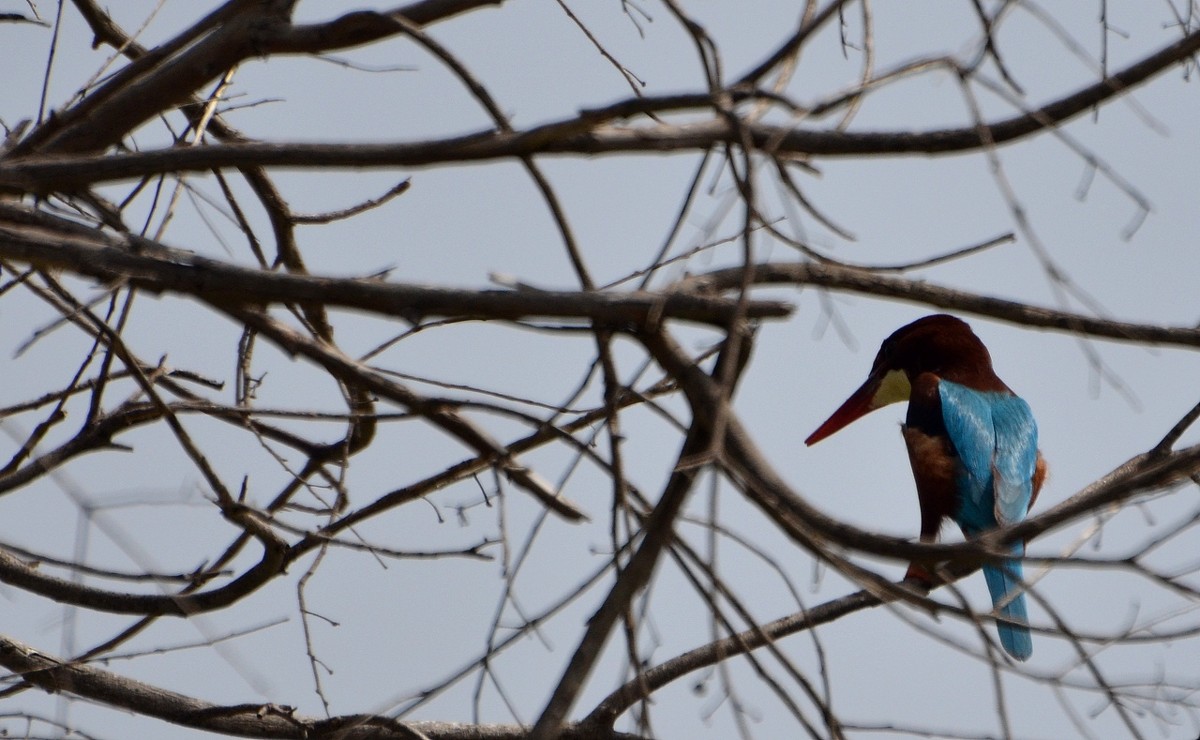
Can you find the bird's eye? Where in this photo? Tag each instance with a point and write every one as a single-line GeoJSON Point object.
{"type": "Point", "coordinates": [881, 359]}
{"type": "Point", "coordinates": [885, 352]}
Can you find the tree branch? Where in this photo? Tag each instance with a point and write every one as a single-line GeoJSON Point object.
{"type": "Point", "coordinates": [245, 720]}
{"type": "Point", "coordinates": [51, 243]}
{"type": "Point", "coordinates": [584, 135]}
{"type": "Point", "coordinates": [31, 579]}
{"type": "Point", "coordinates": [868, 282]}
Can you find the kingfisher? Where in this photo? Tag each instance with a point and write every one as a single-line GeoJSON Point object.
{"type": "Point", "coordinates": [972, 445]}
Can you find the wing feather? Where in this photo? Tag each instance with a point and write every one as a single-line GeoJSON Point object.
{"type": "Point", "coordinates": [1016, 458]}
{"type": "Point", "coordinates": [995, 437]}
{"type": "Point", "coordinates": [968, 420]}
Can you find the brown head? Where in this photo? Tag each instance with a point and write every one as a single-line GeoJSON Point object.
{"type": "Point", "coordinates": [939, 344]}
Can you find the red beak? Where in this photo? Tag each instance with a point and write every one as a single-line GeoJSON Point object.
{"type": "Point", "coordinates": [858, 405]}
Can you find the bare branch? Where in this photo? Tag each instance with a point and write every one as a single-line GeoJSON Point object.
{"type": "Point", "coordinates": [246, 720]}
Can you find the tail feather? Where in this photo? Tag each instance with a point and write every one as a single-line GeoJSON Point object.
{"type": "Point", "coordinates": [1003, 580]}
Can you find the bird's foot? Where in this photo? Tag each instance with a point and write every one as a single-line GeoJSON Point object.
{"type": "Point", "coordinates": [919, 575]}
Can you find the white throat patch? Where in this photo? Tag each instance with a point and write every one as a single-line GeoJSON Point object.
{"type": "Point", "coordinates": [893, 389]}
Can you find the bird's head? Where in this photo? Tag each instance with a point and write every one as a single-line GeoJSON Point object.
{"type": "Point", "coordinates": [938, 344]}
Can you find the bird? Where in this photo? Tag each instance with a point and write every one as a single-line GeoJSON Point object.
{"type": "Point", "coordinates": [972, 445]}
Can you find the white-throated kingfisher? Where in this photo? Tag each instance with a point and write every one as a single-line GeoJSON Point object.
{"type": "Point", "coordinates": [972, 444]}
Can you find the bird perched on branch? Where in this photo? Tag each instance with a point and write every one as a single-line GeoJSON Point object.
{"type": "Point", "coordinates": [972, 444]}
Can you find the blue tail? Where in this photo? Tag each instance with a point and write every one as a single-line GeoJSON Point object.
{"type": "Point", "coordinates": [1002, 580]}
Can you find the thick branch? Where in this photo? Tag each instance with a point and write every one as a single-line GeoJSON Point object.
{"type": "Point", "coordinates": [31, 579]}
{"type": "Point", "coordinates": [157, 81]}
{"type": "Point", "coordinates": [616, 703]}
{"type": "Point", "coordinates": [159, 269]}
{"type": "Point", "coordinates": [919, 291]}
{"type": "Point", "coordinates": [245, 720]}
{"type": "Point", "coordinates": [585, 134]}
{"type": "Point", "coordinates": [366, 26]}
{"type": "Point", "coordinates": [169, 76]}
{"type": "Point", "coordinates": [656, 534]}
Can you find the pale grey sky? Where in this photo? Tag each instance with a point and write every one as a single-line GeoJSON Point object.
{"type": "Point", "coordinates": [405, 626]}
